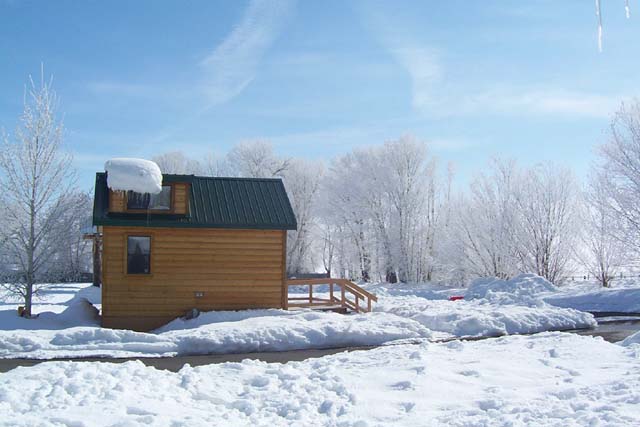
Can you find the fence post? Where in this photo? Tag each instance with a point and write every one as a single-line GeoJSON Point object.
{"type": "Point", "coordinates": [310, 293]}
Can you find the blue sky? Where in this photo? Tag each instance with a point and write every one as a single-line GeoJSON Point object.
{"type": "Point", "coordinates": [521, 79]}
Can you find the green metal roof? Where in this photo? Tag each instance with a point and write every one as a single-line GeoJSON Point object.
{"type": "Point", "coordinates": [214, 202]}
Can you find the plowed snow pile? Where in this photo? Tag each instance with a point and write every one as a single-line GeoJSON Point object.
{"type": "Point", "coordinates": [277, 331]}
{"type": "Point", "coordinates": [491, 307]}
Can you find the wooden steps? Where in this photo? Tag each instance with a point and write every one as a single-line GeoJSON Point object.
{"type": "Point", "coordinates": [343, 296]}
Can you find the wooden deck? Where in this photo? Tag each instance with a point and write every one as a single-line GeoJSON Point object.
{"type": "Point", "coordinates": [344, 295]}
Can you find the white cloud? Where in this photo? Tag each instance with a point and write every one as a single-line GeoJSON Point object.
{"type": "Point", "coordinates": [234, 62]}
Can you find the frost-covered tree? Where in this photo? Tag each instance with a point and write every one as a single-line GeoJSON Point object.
{"type": "Point", "coordinates": [386, 198]}
{"type": "Point", "coordinates": [519, 220]}
{"type": "Point", "coordinates": [408, 180]}
{"type": "Point", "coordinates": [176, 162]}
{"type": "Point", "coordinates": [356, 200]}
{"type": "Point", "coordinates": [619, 172]}
{"type": "Point", "coordinates": [256, 159]}
{"type": "Point", "coordinates": [547, 204]}
{"type": "Point", "coordinates": [602, 252]}
{"type": "Point", "coordinates": [302, 181]}
{"type": "Point", "coordinates": [72, 252]}
{"type": "Point", "coordinates": [344, 209]}
{"type": "Point", "coordinates": [35, 178]}
{"type": "Point", "coordinates": [213, 165]}
{"type": "Point", "coordinates": [486, 222]}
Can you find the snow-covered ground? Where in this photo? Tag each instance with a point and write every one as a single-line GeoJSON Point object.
{"type": "Point", "coordinates": [53, 300]}
{"type": "Point", "coordinates": [550, 379]}
{"type": "Point", "coordinates": [68, 325]}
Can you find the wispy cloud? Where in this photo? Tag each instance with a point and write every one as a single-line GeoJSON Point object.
{"type": "Point", "coordinates": [519, 100]}
{"type": "Point", "coordinates": [434, 93]}
{"type": "Point", "coordinates": [440, 89]}
{"type": "Point", "coordinates": [425, 70]}
{"type": "Point", "coordinates": [234, 63]}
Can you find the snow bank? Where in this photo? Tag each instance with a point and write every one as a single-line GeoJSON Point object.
{"type": "Point", "coordinates": [485, 317]}
{"type": "Point", "coordinates": [423, 290]}
{"type": "Point", "coordinates": [523, 286]}
{"type": "Point", "coordinates": [288, 331]}
{"type": "Point", "coordinates": [79, 312]}
{"type": "Point", "coordinates": [551, 379]}
{"type": "Point", "coordinates": [492, 307]}
{"type": "Point", "coordinates": [210, 317]}
{"type": "Point", "coordinates": [600, 300]}
{"type": "Point", "coordinates": [631, 339]}
{"type": "Point", "coordinates": [141, 176]}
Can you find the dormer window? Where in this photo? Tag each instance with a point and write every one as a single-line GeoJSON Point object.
{"type": "Point", "coordinates": [152, 202]}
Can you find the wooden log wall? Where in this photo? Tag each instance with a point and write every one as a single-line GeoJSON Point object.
{"type": "Point", "coordinates": [233, 269]}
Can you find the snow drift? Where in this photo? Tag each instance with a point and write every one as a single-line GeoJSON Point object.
{"type": "Point", "coordinates": [486, 318]}
{"type": "Point", "coordinates": [632, 339]}
{"type": "Point", "coordinates": [523, 285]}
{"type": "Point", "coordinates": [78, 312]}
{"type": "Point", "coordinates": [600, 300]}
{"type": "Point", "coordinates": [128, 174]}
{"type": "Point", "coordinates": [271, 332]}
{"type": "Point", "coordinates": [492, 307]}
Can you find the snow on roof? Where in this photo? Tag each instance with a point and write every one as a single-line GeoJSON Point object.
{"type": "Point", "coordinates": [139, 175]}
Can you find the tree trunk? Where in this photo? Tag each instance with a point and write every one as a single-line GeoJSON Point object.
{"type": "Point", "coordinates": [30, 255]}
{"type": "Point", "coordinates": [391, 277]}
{"type": "Point", "coordinates": [27, 300]}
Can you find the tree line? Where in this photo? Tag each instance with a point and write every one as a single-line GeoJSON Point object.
{"type": "Point", "coordinates": [390, 212]}
{"type": "Point", "coordinates": [387, 212]}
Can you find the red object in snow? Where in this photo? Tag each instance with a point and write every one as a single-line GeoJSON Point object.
{"type": "Point", "coordinates": [455, 297]}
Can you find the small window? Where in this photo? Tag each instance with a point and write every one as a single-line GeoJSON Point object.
{"type": "Point", "coordinates": [138, 255]}
{"type": "Point", "coordinates": [154, 202]}
{"type": "Point", "coordinates": [137, 200]}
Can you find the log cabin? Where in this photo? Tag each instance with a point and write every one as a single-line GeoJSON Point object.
{"type": "Point", "coordinates": [202, 242]}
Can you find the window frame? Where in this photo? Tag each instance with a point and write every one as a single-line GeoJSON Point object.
{"type": "Point", "coordinates": [153, 211]}
{"type": "Point", "coordinates": [126, 255]}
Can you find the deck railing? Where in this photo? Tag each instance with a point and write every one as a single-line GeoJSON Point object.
{"type": "Point", "coordinates": [342, 293]}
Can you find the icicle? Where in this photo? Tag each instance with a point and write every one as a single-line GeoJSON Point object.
{"type": "Point", "coordinates": [626, 9]}
{"type": "Point", "coordinates": [599, 17]}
